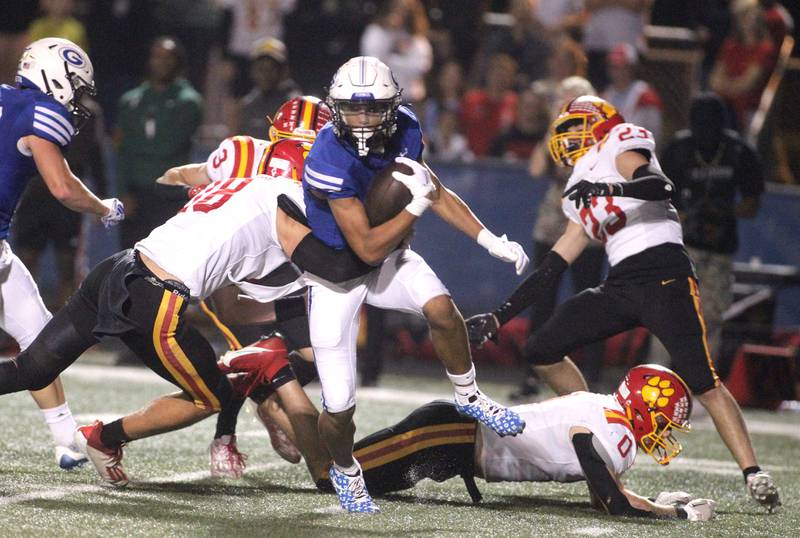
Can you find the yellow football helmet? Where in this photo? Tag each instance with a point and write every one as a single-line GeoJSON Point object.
{"type": "Point", "coordinates": [580, 124]}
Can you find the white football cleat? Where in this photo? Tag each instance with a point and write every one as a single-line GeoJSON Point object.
{"type": "Point", "coordinates": [225, 459]}
{"type": "Point", "coordinates": [352, 491]}
{"type": "Point", "coordinates": [763, 490]}
{"type": "Point", "coordinates": [69, 457]}
{"type": "Point", "coordinates": [107, 461]}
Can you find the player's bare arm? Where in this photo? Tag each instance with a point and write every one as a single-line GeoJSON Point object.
{"type": "Point", "coordinates": [370, 244]}
{"type": "Point", "coordinates": [187, 174]}
{"type": "Point", "coordinates": [62, 183]}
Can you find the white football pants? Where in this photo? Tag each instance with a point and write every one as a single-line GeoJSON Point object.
{"type": "Point", "coordinates": [22, 311]}
{"type": "Point", "coordinates": [404, 282]}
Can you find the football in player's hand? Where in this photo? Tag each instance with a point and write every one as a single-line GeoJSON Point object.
{"type": "Point", "coordinates": [386, 196]}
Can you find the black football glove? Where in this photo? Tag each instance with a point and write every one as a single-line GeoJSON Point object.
{"type": "Point", "coordinates": [583, 192]}
{"type": "Point", "coordinates": [482, 327]}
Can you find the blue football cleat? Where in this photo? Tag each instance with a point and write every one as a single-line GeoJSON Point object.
{"type": "Point", "coordinates": [352, 491]}
{"type": "Point", "coordinates": [501, 420]}
{"type": "Point", "coordinates": [69, 457]}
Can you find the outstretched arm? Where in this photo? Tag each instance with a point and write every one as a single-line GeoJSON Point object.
{"type": "Point", "coordinates": [454, 211]}
{"type": "Point", "coordinates": [62, 183]}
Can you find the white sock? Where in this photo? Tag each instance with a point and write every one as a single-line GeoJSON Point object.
{"type": "Point", "coordinates": [349, 471]}
{"type": "Point", "coordinates": [464, 384]}
{"type": "Point", "coordinates": [61, 423]}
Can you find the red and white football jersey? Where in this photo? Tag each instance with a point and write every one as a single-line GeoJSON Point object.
{"type": "Point", "coordinates": [224, 235]}
{"type": "Point", "coordinates": [237, 156]}
{"type": "Point", "coordinates": [626, 226]}
{"type": "Point", "coordinates": [544, 450]}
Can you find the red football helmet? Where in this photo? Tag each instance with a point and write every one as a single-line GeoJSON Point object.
{"type": "Point", "coordinates": [301, 117]}
{"type": "Point", "coordinates": [656, 401]}
{"type": "Point", "coordinates": [581, 123]}
{"type": "Point", "coordinates": [285, 158]}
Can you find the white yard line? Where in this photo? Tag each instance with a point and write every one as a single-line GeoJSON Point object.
{"type": "Point", "coordinates": [61, 492]}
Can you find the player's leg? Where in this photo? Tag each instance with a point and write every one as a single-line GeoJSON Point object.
{"type": "Point", "coordinates": [406, 283]}
{"type": "Point", "coordinates": [673, 313]}
{"type": "Point", "coordinates": [23, 315]}
{"type": "Point", "coordinates": [177, 352]}
{"type": "Point", "coordinates": [435, 441]}
{"type": "Point", "coordinates": [333, 322]}
{"type": "Point", "coordinates": [592, 315]}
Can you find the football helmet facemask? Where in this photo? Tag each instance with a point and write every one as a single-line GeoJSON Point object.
{"type": "Point", "coordinates": [62, 70]}
{"type": "Point", "coordinates": [580, 124]}
{"type": "Point", "coordinates": [301, 117]}
{"type": "Point", "coordinates": [657, 402]}
{"type": "Point", "coordinates": [365, 91]}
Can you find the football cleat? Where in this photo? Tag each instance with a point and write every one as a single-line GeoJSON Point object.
{"type": "Point", "coordinates": [499, 419]}
{"type": "Point", "coordinates": [352, 491]}
{"type": "Point", "coordinates": [280, 442]}
{"type": "Point", "coordinates": [69, 457]}
{"type": "Point", "coordinates": [225, 458]}
{"type": "Point", "coordinates": [107, 461]}
{"type": "Point", "coordinates": [764, 491]}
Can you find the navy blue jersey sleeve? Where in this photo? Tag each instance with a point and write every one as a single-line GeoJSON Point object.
{"type": "Point", "coordinates": [52, 122]}
{"type": "Point", "coordinates": [411, 133]}
{"type": "Point", "coordinates": [325, 170]}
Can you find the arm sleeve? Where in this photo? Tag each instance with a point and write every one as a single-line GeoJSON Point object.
{"type": "Point", "coordinates": [52, 122]}
{"type": "Point", "coordinates": [334, 265]}
{"type": "Point", "coordinates": [600, 480]}
{"type": "Point", "coordinates": [647, 183]}
{"type": "Point", "coordinates": [544, 278]}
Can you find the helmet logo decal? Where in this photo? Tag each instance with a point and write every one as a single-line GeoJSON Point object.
{"type": "Point", "coordinates": [657, 392]}
{"type": "Point", "coordinates": [71, 56]}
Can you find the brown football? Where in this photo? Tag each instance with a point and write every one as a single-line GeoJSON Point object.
{"type": "Point", "coordinates": [386, 197]}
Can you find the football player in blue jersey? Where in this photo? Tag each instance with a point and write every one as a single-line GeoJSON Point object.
{"type": "Point", "coordinates": [370, 130]}
{"type": "Point", "coordinates": [38, 118]}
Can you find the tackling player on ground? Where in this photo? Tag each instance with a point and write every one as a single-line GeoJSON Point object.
{"type": "Point", "coordinates": [38, 119]}
{"type": "Point", "coordinates": [370, 130]}
{"type": "Point", "coordinates": [618, 194]}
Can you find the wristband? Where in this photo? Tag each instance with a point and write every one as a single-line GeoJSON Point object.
{"type": "Point", "coordinates": [486, 239]}
{"type": "Point", "coordinates": [417, 206]}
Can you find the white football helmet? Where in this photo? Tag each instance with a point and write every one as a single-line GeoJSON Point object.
{"type": "Point", "coordinates": [364, 84]}
{"type": "Point", "coordinates": [62, 70]}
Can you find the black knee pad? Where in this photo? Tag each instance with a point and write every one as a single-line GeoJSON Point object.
{"type": "Point", "coordinates": [539, 352]}
{"type": "Point", "coordinates": [36, 367]}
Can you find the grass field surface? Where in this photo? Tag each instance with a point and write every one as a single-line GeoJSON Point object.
{"type": "Point", "coordinates": [172, 493]}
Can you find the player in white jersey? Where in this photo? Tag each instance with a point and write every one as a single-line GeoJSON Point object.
{"type": "Point", "coordinates": [291, 133]}
{"type": "Point", "coordinates": [582, 436]}
{"type": "Point", "coordinates": [231, 231]}
{"type": "Point", "coordinates": [617, 194]}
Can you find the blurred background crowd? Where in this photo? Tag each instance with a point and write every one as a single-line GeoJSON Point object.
{"type": "Point", "coordinates": [485, 77]}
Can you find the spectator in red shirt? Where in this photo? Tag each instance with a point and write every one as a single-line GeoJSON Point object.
{"type": "Point", "coordinates": [487, 111]}
{"type": "Point", "coordinates": [745, 61]}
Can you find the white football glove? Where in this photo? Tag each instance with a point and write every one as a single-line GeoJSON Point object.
{"type": "Point", "coordinates": [116, 212]}
{"type": "Point", "coordinates": [420, 184]}
{"type": "Point", "coordinates": [700, 509]}
{"type": "Point", "coordinates": [503, 249]}
{"type": "Point", "coordinates": [672, 498]}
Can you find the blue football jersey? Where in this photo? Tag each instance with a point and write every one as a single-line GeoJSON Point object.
{"type": "Point", "coordinates": [333, 169]}
{"type": "Point", "coordinates": [25, 112]}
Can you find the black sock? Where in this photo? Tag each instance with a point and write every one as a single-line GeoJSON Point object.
{"type": "Point", "coordinates": [750, 470]}
{"type": "Point", "coordinates": [304, 371]}
{"type": "Point", "coordinates": [226, 420]}
{"type": "Point", "coordinates": [112, 435]}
